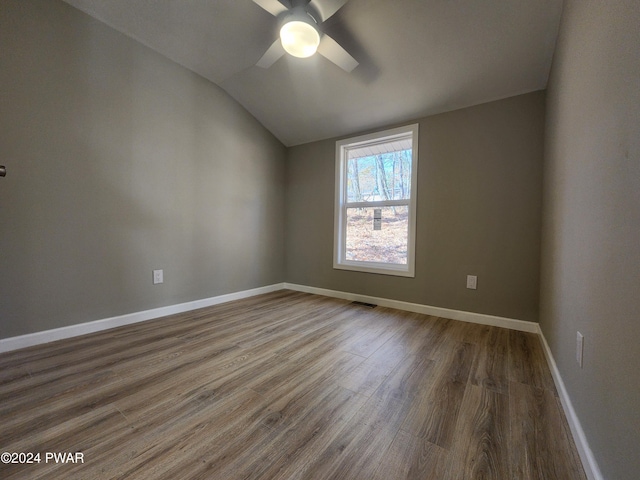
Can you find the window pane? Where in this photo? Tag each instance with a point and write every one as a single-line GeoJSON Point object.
{"type": "Point", "coordinates": [376, 170]}
{"type": "Point", "coordinates": [385, 176]}
{"type": "Point", "coordinates": [377, 234]}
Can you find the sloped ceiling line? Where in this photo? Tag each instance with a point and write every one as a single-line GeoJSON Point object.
{"type": "Point", "coordinates": [418, 57]}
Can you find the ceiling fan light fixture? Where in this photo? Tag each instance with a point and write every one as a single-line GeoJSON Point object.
{"type": "Point", "coordinates": [299, 38]}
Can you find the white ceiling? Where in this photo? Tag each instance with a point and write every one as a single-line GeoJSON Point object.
{"type": "Point", "coordinates": [417, 57]}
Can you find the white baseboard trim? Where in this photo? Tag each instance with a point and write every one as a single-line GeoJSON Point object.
{"type": "Point", "coordinates": [589, 463]}
{"type": "Point", "coordinates": [46, 336]}
{"type": "Point", "coordinates": [480, 318]}
{"type": "Point", "coordinates": [37, 338]}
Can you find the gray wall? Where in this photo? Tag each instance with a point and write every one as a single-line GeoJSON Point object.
{"type": "Point", "coordinates": [591, 228]}
{"type": "Point", "coordinates": [478, 212]}
{"type": "Point", "coordinates": [119, 162]}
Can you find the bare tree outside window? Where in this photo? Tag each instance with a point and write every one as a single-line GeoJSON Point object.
{"type": "Point", "coordinates": [378, 178]}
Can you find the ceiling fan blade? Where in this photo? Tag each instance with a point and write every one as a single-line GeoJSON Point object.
{"type": "Point", "coordinates": [331, 50]}
{"type": "Point", "coordinates": [274, 53]}
{"type": "Point", "coordinates": [326, 8]}
{"type": "Point", "coordinates": [274, 7]}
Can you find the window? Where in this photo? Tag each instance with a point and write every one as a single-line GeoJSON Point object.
{"type": "Point", "coordinates": [375, 210]}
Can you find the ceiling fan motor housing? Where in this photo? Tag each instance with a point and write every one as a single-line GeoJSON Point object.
{"type": "Point", "coordinates": [299, 32]}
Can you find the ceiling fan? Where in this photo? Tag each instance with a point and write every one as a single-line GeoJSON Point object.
{"type": "Point", "coordinates": [301, 34]}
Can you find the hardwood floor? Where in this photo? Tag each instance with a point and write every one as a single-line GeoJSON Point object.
{"type": "Point", "coordinates": [288, 386]}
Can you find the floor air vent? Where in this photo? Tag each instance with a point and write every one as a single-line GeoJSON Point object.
{"type": "Point", "coordinates": [364, 304]}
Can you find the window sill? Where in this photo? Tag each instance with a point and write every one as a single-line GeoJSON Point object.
{"type": "Point", "coordinates": [377, 268]}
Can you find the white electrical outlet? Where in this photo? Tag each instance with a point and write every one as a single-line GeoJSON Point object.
{"type": "Point", "coordinates": [579, 348]}
{"type": "Point", "coordinates": [472, 282]}
{"type": "Point", "coordinates": [158, 277]}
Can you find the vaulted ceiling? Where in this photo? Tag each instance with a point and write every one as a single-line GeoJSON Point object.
{"type": "Point", "coordinates": [417, 57]}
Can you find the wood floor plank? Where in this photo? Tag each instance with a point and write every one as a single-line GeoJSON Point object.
{"type": "Point", "coordinates": [288, 385]}
{"type": "Point", "coordinates": [540, 449]}
{"type": "Point", "coordinates": [81, 399]}
{"type": "Point", "coordinates": [204, 447]}
{"type": "Point", "coordinates": [412, 332]}
{"type": "Point", "coordinates": [527, 363]}
{"type": "Point", "coordinates": [365, 378]}
{"type": "Point", "coordinates": [76, 434]}
{"type": "Point", "coordinates": [481, 443]}
{"type": "Point", "coordinates": [355, 451]}
{"type": "Point", "coordinates": [434, 414]}
{"type": "Point", "coordinates": [182, 431]}
{"type": "Point", "coordinates": [290, 448]}
{"type": "Point", "coordinates": [403, 383]}
{"type": "Point", "coordinates": [284, 400]}
{"type": "Point", "coordinates": [413, 458]}
{"type": "Point", "coordinates": [490, 368]}
{"type": "Point", "coordinates": [439, 337]}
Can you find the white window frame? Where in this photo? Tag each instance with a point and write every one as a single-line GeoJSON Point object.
{"type": "Point", "coordinates": [341, 203]}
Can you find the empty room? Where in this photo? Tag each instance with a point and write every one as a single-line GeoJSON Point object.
{"type": "Point", "coordinates": [320, 239]}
